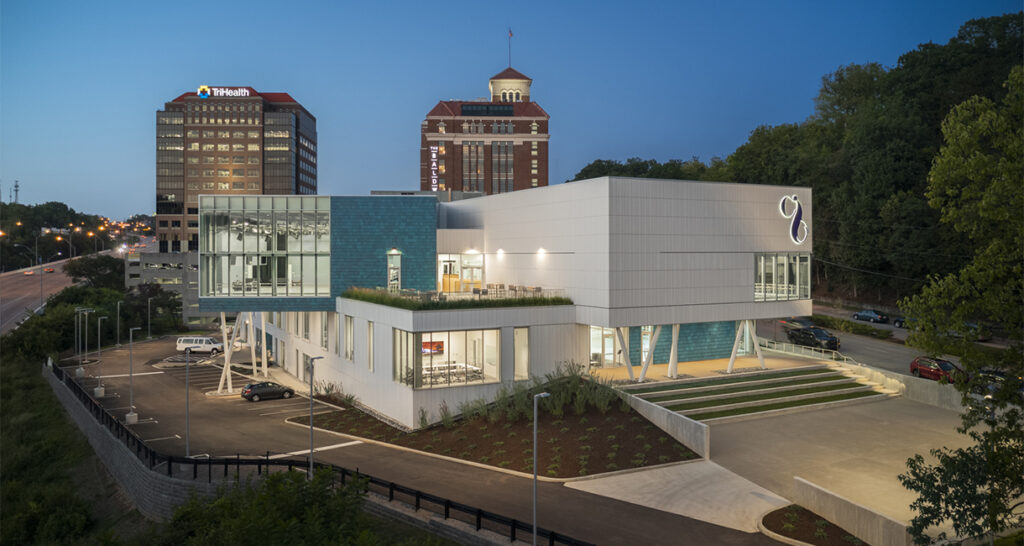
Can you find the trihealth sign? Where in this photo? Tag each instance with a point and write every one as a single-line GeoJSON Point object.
{"type": "Point", "coordinates": [206, 91]}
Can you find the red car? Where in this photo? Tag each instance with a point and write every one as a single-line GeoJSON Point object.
{"type": "Point", "coordinates": [48, 270]}
{"type": "Point", "coordinates": [934, 368]}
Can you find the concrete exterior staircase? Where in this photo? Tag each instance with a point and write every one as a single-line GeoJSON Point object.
{"type": "Point", "coordinates": [775, 392]}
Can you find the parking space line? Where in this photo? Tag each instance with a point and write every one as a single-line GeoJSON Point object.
{"type": "Point", "coordinates": [324, 448]}
{"type": "Point", "coordinates": [126, 375]}
{"type": "Point", "coordinates": [175, 437]}
{"type": "Point", "coordinates": [300, 411]}
{"type": "Point", "coordinates": [265, 406]}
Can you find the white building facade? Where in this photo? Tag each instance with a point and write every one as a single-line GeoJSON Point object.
{"type": "Point", "coordinates": [657, 271]}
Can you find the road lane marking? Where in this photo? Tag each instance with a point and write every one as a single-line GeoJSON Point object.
{"type": "Point", "coordinates": [126, 375]}
{"type": "Point", "coordinates": [175, 437]}
{"type": "Point", "coordinates": [324, 448]}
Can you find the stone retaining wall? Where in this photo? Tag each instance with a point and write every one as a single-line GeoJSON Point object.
{"type": "Point", "coordinates": [156, 496]}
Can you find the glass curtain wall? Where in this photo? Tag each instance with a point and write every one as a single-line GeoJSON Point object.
{"type": "Point", "coordinates": [781, 276]}
{"type": "Point", "coordinates": [604, 348]}
{"type": "Point", "coordinates": [447, 359]}
{"type": "Point", "coordinates": [264, 246]}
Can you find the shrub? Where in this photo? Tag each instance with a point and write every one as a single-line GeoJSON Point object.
{"type": "Point", "coordinates": [423, 418]}
{"type": "Point", "coordinates": [446, 415]}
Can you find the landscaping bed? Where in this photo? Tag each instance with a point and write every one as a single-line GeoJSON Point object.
{"type": "Point", "coordinates": [799, 523]}
{"type": "Point", "coordinates": [574, 440]}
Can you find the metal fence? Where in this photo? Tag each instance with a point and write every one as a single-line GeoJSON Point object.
{"type": "Point", "coordinates": [801, 350]}
{"type": "Point", "coordinates": [231, 470]}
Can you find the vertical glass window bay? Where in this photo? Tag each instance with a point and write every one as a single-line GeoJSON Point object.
{"type": "Point", "coordinates": [264, 246]}
{"type": "Point", "coordinates": [782, 276]}
{"type": "Point", "coordinates": [394, 270]}
{"type": "Point", "coordinates": [447, 359]}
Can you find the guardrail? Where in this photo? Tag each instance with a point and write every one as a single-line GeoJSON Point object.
{"type": "Point", "coordinates": [220, 470]}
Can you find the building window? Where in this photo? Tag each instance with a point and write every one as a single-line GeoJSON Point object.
{"type": "Point", "coordinates": [445, 359]}
{"type": "Point", "coordinates": [369, 345]}
{"type": "Point", "coordinates": [533, 182]}
{"type": "Point", "coordinates": [473, 166]}
{"type": "Point", "coordinates": [782, 276]}
{"type": "Point", "coordinates": [533, 147]}
{"type": "Point", "coordinates": [349, 337]}
{"type": "Point", "coordinates": [533, 128]}
{"type": "Point", "coordinates": [254, 147]}
{"type": "Point", "coordinates": [501, 167]}
{"type": "Point", "coordinates": [193, 146]}
{"type": "Point", "coordinates": [441, 127]}
{"type": "Point", "coordinates": [323, 329]}
{"type": "Point", "coordinates": [521, 353]}
{"type": "Point", "coordinates": [394, 270]}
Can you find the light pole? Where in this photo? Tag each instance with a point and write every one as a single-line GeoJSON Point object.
{"type": "Point", "coordinates": [149, 319]}
{"type": "Point", "coordinates": [312, 361]}
{"type": "Point", "coordinates": [535, 398]}
{"type": "Point", "coordinates": [79, 338]}
{"type": "Point", "coordinates": [119, 322]}
{"type": "Point", "coordinates": [188, 354]}
{"type": "Point", "coordinates": [71, 249]}
{"type": "Point", "coordinates": [131, 418]}
{"type": "Point", "coordinates": [98, 392]}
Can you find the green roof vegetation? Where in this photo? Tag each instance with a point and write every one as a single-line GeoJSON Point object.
{"type": "Point", "coordinates": [414, 304]}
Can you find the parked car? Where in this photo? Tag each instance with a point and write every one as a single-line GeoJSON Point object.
{"type": "Point", "coordinates": [796, 322]}
{"type": "Point", "coordinates": [254, 392]}
{"type": "Point", "coordinates": [813, 337]}
{"type": "Point", "coordinates": [200, 345]}
{"type": "Point", "coordinates": [901, 322]}
{"type": "Point", "coordinates": [48, 270]}
{"type": "Point", "coordinates": [871, 315]}
{"type": "Point", "coordinates": [935, 368]}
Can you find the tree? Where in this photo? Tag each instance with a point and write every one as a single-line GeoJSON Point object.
{"type": "Point", "coordinates": [975, 183]}
{"type": "Point", "coordinates": [98, 271]}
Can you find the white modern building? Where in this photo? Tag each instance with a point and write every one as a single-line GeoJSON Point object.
{"type": "Point", "coordinates": [650, 271]}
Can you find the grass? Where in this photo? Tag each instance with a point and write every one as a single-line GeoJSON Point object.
{"type": "Point", "coordinates": [727, 380]}
{"type": "Point", "coordinates": [850, 326]}
{"type": "Point", "coordinates": [745, 388]}
{"type": "Point", "coordinates": [392, 300]}
{"type": "Point", "coordinates": [755, 397]}
{"type": "Point", "coordinates": [780, 405]}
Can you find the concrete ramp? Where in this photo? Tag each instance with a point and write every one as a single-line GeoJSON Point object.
{"type": "Point", "coordinates": [699, 490]}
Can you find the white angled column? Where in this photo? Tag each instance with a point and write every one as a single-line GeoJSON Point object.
{"type": "Point", "coordinates": [625, 352]}
{"type": "Point", "coordinates": [673, 355]}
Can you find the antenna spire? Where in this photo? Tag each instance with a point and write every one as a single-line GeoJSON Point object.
{"type": "Point", "coordinates": [510, 47]}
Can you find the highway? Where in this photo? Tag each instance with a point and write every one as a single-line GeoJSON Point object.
{"type": "Point", "coordinates": [20, 293]}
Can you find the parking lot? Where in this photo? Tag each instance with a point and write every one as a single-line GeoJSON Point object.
{"type": "Point", "coordinates": [223, 426]}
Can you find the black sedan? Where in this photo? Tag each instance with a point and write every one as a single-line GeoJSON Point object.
{"type": "Point", "coordinates": [254, 392]}
{"type": "Point", "coordinates": [871, 315]}
{"type": "Point", "coordinates": [813, 337]}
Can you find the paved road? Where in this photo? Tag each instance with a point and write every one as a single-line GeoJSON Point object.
{"type": "Point", "coordinates": [20, 293]}
{"type": "Point", "coordinates": [229, 425]}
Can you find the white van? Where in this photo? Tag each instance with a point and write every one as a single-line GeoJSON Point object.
{"type": "Point", "coordinates": [200, 345]}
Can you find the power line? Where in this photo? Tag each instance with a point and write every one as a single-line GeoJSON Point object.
{"type": "Point", "coordinates": [876, 273]}
{"type": "Point", "coordinates": [897, 252]}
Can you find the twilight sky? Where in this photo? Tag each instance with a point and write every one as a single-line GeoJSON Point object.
{"type": "Point", "coordinates": [80, 81]}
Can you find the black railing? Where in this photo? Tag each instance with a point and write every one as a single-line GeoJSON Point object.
{"type": "Point", "coordinates": [227, 469]}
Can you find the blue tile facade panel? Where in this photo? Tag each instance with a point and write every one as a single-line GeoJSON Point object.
{"type": "Point", "coordinates": [234, 305]}
{"type": "Point", "coordinates": [700, 341]}
{"type": "Point", "coordinates": [364, 229]}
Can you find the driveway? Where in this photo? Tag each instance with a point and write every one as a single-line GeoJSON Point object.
{"type": "Point", "coordinates": [855, 451]}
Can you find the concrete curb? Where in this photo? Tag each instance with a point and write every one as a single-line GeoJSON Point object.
{"type": "Point", "coordinates": [775, 536]}
{"type": "Point", "coordinates": [489, 467]}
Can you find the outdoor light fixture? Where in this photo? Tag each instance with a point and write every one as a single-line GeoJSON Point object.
{"type": "Point", "coordinates": [501, 253]}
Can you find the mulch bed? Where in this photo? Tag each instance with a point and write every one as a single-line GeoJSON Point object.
{"type": "Point", "coordinates": [797, 522]}
{"type": "Point", "coordinates": [569, 446]}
